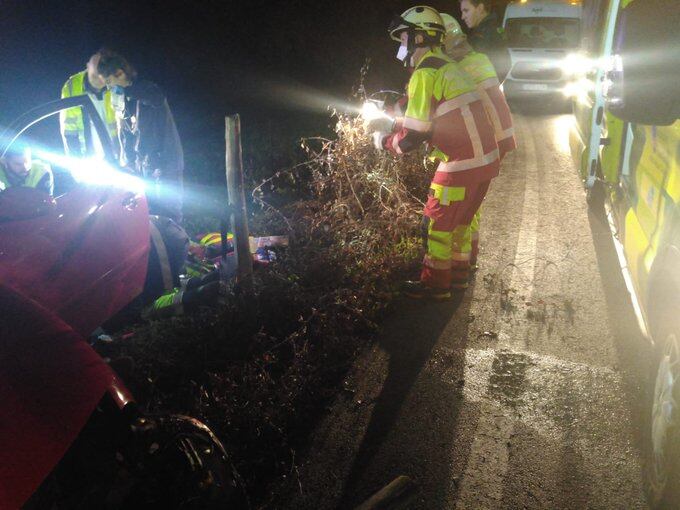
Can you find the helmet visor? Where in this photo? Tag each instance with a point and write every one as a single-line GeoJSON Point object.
{"type": "Point", "coordinates": [398, 25]}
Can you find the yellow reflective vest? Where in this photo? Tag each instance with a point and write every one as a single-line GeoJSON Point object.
{"type": "Point", "coordinates": [35, 175]}
{"type": "Point", "coordinates": [445, 109]}
{"type": "Point", "coordinates": [71, 120]}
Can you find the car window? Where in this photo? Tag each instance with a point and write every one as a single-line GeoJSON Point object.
{"type": "Point", "coordinates": [557, 33]}
{"type": "Point", "coordinates": [51, 143]}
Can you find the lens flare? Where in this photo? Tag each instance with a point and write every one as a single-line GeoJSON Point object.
{"type": "Point", "coordinates": [94, 171]}
{"type": "Point", "coordinates": [372, 110]}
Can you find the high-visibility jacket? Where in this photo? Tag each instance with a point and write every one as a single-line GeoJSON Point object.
{"type": "Point", "coordinates": [480, 68]}
{"type": "Point", "coordinates": [39, 176]}
{"type": "Point", "coordinates": [71, 120]}
{"type": "Point", "coordinates": [445, 110]}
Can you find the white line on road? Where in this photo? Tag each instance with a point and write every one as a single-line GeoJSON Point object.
{"type": "Point", "coordinates": [487, 465]}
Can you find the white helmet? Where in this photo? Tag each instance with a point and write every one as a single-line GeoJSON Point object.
{"type": "Point", "coordinates": [453, 31]}
{"type": "Point", "coordinates": [420, 18]}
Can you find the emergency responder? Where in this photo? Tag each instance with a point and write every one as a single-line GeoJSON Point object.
{"type": "Point", "coordinates": [18, 168]}
{"type": "Point", "coordinates": [483, 73]}
{"type": "Point", "coordinates": [444, 110]}
{"type": "Point", "coordinates": [150, 143]}
{"type": "Point", "coordinates": [165, 293]}
{"type": "Point", "coordinates": [486, 34]}
{"type": "Point", "coordinates": [479, 68]}
{"type": "Point", "coordinates": [80, 138]}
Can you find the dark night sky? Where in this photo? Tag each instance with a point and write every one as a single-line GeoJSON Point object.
{"type": "Point", "coordinates": [211, 57]}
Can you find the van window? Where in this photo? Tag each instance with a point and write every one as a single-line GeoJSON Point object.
{"type": "Point", "coordinates": [542, 32]}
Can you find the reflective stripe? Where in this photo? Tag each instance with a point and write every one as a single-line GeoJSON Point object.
{"type": "Point", "coordinates": [447, 194]}
{"type": "Point", "coordinates": [212, 238]}
{"type": "Point", "coordinates": [506, 133]}
{"type": "Point", "coordinates": [417, 125]}
{"type": "Point", "coordinates": [489, 82]}
{"type": "Point", "coordinates": [473, 132]}
{"type": "Point", "coordinates": [166, 273]}
{"type": "Point", "coordinates": [460, 257]}
{"type": "Point", "coordinates": [434, 263]}
{"type": "Point", "coordinates": [455, 103]}
{"type": "Point", "coordinates": [467, 164]}
{"type": "Point", "coordinates": [492, 113]}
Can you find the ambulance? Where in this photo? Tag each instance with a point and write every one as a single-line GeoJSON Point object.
{"type": "Point", "coordinates": [626, 143]}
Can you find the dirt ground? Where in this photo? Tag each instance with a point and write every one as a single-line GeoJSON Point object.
{"type": "Point", "coordinates": [522, 392]}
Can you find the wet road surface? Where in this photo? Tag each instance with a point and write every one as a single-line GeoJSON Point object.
{"type": "Point", "coordinates": [522, 393]}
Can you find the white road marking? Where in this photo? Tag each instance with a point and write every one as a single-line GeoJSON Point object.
{"type": "Point", "coordinates": [487, 464]}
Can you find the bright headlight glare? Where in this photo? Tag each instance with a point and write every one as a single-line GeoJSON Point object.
{"type": "Point", "coordinates": [94, 171]}
{"type": "Point", "coordinates": [371, 111]}
{"type": "Point", "coordinates": [577, 64]}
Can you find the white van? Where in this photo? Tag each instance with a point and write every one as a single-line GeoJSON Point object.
{"type": "Point", "coordinates": [540, 34]}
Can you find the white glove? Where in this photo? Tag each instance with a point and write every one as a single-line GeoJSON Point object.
{"type": "Point", "coordinates": [378, 139]}
{"type": "Point", "coordinates": [381, 124]}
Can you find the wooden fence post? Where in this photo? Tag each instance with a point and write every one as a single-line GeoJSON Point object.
{"type": "Point", "coordinates": [393, 494]}
{"type": "Point", "coordinates": [237, 202]}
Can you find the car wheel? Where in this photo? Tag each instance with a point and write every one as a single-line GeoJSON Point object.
{"type": "Point", "coordinates": [186, 467]}
{"type": "Point", "coordinates": [662, 441]}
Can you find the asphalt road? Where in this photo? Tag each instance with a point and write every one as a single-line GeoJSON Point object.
{"type": "Point", "coordinates": [522, 393]}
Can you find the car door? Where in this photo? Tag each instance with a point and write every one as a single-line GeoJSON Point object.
{"type": "Point", "coordinates": [84, 255]}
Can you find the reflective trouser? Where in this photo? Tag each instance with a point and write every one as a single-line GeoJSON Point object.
{"type": "Point", "coordinates": [467, 241]}
{"type": "Point", "coordinates": [451, 211]}
{"type": "Point", "coordinates": [474, 239]}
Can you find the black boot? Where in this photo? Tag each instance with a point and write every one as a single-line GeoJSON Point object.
{"type": "Point", "coordinates": [418, 290]}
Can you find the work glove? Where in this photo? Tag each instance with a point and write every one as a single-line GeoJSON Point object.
{"type": "Point", "coordinates": [379, 140]}
{"type": "Point", "coordinates": [382, 124]}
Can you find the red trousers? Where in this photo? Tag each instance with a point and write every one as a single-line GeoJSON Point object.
{"type": "Point", "coordinates": [450, 210]}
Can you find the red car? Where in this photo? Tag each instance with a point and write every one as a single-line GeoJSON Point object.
{"type": "Point", "coordinates": [67, 264]}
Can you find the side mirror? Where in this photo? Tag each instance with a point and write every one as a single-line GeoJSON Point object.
{"type": "Point", "coordinates": [21, 203]}
{"type": "Point", "coordinates": [641, 82]}
{"type": "Point", "coordinates": [637, 94]}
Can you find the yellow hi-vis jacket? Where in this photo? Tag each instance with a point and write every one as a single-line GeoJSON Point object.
{"type": "Point", "coordinates": [36, 178]}
{"type": "Point", "coordinates": [481, 70]}
{"type": "Point", "coordinates": [71, 120]}
{"type": "Point", "coordinates": [445, 110]}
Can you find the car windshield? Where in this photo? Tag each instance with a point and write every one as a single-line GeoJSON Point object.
{"type": "Point", "coordinates": [542, 32]}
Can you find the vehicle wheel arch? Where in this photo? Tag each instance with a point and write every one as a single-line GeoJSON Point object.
{"type": "Point", "coordinates": [663, 303]}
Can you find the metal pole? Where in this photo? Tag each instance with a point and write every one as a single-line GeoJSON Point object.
{"type": "Point", "coordinates": [237, 202]}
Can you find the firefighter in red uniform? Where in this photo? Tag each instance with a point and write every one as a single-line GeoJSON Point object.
{"type": "Point", "coordinates": [481, 70]}
{"type": "Point", "coordinates": [445, 110]}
